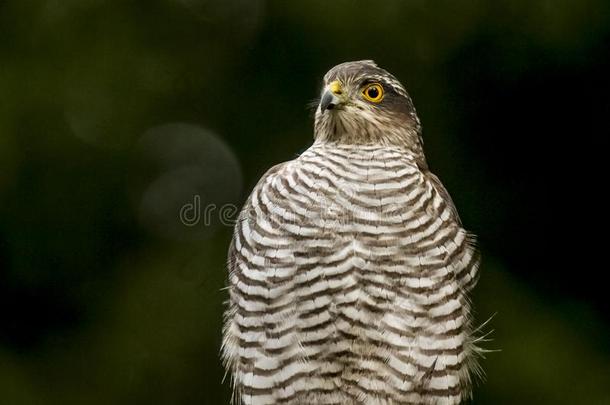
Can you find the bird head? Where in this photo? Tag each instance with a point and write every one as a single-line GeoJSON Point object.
{"type": "Point", "coordinates": [362, 103]}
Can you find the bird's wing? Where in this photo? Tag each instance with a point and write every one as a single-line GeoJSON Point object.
{"type": "Point", "coordinates": [442, 191]}
{"type": "Point", "coordinates": [468, 271]}
{"type": "Point", "coordinates": [248, 212]}
{"type": "Point", "coordinates": [261, 263]}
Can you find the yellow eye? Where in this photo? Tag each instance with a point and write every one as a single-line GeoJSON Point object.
{"type": "Point", "coordinates": [373, 92]}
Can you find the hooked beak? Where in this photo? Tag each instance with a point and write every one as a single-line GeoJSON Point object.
{"type": "Point", "coordinates": [330, 97]}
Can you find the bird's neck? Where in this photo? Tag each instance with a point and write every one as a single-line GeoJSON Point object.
{"type": "Point", "coordinates": [333, 130]}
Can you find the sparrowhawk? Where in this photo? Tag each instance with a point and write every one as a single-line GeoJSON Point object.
{"type": "Point", "coordinates": [349, 269]}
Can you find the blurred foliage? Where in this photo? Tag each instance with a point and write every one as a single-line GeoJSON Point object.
{"type": "Point", "coordinates": [106, 297]}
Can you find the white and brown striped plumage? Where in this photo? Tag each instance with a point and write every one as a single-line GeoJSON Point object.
{"type": "Point", "coordinates": [349, 270]}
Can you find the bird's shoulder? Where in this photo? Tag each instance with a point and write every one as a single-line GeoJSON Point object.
{"type": "Point", "coordinates": [440, 189]}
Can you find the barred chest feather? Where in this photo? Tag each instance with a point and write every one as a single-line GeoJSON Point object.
{"type": "Point", "coordinates": [349, 275]}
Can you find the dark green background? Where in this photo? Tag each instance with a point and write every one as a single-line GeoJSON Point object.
{"type": "Point", "coordinates": [114, 114]}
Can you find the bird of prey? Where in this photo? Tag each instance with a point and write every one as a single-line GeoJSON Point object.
{"type": "Point", "coordinates": [349, 268]}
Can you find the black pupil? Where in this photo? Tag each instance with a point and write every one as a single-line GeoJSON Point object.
{"type": "Point", "coordinates": [373, 92]}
